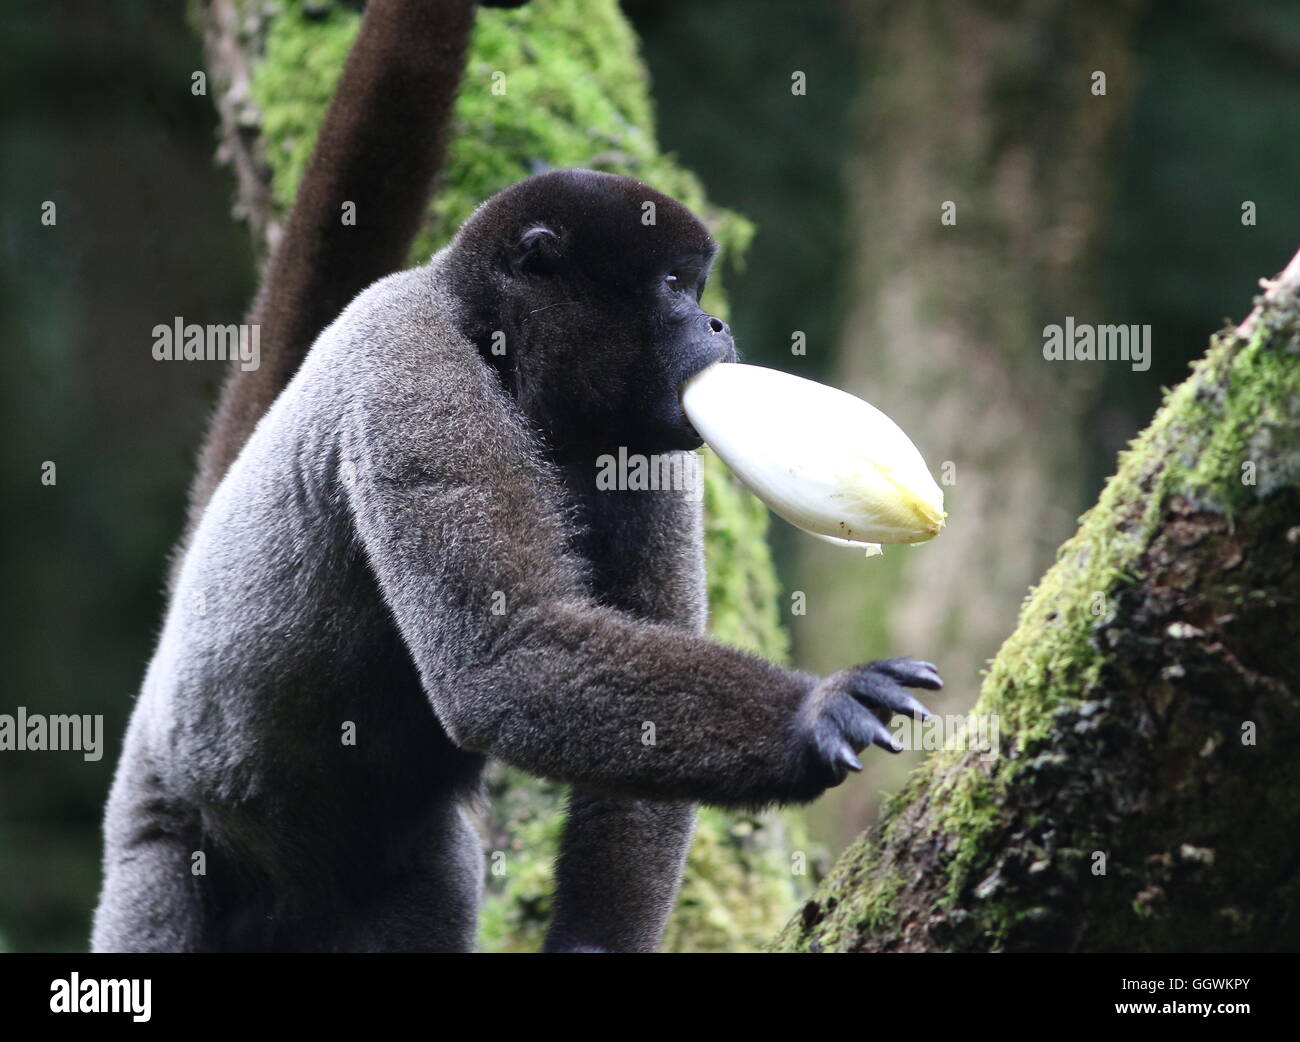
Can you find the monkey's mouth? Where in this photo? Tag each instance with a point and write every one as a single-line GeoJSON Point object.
{"type": "Point", "coordinates": [723, 357]}
{"type": "Point", "coordinates": [683, 433]}
{"type": "Point", "coordinates": [683, 419]}
{"type": "Point", "coordinates": [692, 433]}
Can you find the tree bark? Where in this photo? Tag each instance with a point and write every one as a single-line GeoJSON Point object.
{"type": "Point", "coordinates": [1147, 792]}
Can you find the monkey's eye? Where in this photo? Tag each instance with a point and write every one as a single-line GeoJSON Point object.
{"type": "Point", "coordinates": [674, 282]}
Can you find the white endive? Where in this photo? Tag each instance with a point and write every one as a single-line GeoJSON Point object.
{"type": "Point", "coordinates": [827, 462]}
{"type": "Point", "coordinates": [870, 549]}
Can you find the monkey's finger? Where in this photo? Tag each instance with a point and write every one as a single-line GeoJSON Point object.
{"type": "Point", "coordinates": [854, 722]}
{"type": "Point", "coordinates": [879, 693]}
{"type": "Point", "coordinates": [840, 760]}
{"type": "Point", "coordinates": [887, 741]}
{"type": "Point", "coordinates": [909, 672]}
{"type": "Point", "coordinates": [867, 729]}
{"type": "Point", "coordinates": [848, 759]}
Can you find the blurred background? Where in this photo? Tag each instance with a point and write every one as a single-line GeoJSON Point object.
{"type": "Point", "coordinates": [1157, 195]}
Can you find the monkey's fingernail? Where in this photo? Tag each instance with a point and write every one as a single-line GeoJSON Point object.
{"type": "Point", "coordinates": [849, 760]}
{"type": "Point", "coordinates": [824, 460]}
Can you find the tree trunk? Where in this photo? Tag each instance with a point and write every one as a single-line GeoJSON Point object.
{"type": "Point", "coordinates": [979, 188]}
{"type": "Point", "coordinates": [576, 94]}
{"type": "Point", "coordinates": [1147, 792]}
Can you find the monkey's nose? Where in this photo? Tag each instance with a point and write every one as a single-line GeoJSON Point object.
{"type": "Point", "coordinates": [722, 332]}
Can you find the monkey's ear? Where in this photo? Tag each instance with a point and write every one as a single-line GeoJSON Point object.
{"type": "Point", "coordinates": [536, 252]}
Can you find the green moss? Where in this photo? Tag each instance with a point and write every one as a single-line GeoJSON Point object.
{"type": "Point", "coordinates": [1238, 394]}
{"type": "Point", "coordinates": [1194, 448]}
{"type": "Point", "coordinates": [576, 94]}
{"type": "Point", "coordinates": [739, 885]}
{"type": "Point", "coordinates": [861, 894]}
{"type": "Point", "coordinates": [522, 827]}
{"type": "Point", "coordinates": [292, 85]}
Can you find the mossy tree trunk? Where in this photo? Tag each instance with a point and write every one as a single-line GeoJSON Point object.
{"type": "Point", "coordinates": [983, 167]}
{"type": "Point", "coordinates": [576, 94]}
{"type": "Point", "coordinates": [1147, 792]}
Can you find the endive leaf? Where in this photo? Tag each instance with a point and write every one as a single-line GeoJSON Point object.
{"type": "Point", "coordinates": [826, 461]}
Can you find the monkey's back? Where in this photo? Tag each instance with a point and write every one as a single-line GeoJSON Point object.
{"type": "Point", "coordinates": [282, 725]}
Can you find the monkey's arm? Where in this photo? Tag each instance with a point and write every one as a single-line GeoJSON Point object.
{"type": "Point", "coordinates": [464, 531]}
{"type": "Point", "coordinates": [621, 860]}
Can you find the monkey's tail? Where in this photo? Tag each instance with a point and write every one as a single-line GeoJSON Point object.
{"type": "Point", "coordinates": [379, 148]}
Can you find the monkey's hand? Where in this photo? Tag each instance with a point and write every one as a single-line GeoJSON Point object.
{"type": "Point", "coordinates": [848, 711]}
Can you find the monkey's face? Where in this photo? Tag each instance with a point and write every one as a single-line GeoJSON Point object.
{"type": "Point", "coordinates": [603, 360]}
{"type": "Point", "coordinates": [596, 283]}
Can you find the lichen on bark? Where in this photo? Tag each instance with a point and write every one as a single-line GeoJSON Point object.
{"type": "Point", "coordinates": [575, 94]}
{"type": "Point", "coordinates": [1145, 795]}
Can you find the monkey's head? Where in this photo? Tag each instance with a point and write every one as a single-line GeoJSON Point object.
{"type": "Point", "coordinates": [583, 290]}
